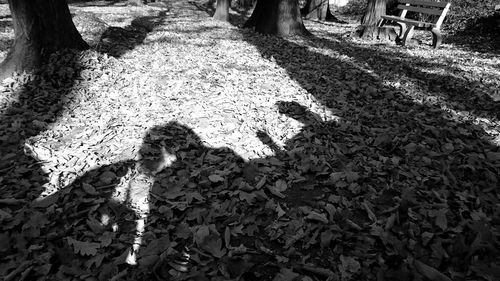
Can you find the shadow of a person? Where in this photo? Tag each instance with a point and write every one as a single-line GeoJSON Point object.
{"type": "Point", "coordinates": [190, 193]}
{"type": "Point", "coordinates": [96, 223]}
{"type": "Point", "coordinates": [167, 198]}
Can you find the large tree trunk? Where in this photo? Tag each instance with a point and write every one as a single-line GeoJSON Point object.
{"type": "Point", "coordinates": [277, 17]}
{"type": "Point", "coordinates": [317, 9]}
{"type": "Point", "coordinates": [41, 27]}
{"type": "Point", "coordinates": [369, 28]}
{"type": "Point", "coordinates": [222, 10]}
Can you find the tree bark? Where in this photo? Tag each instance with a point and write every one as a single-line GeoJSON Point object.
{"type": "Point", "coordinates": [317, 9]}
{"type": "Point", "coordinates": [222, 10]}
{"type": "Point", "coordinates": [40, 27]}
{"type": "Point", "coordinates": [277, 17]}
{"type": "Point", "coordinates": [369, 22]}
{"type": "Point", "coordinates": [245, 4]}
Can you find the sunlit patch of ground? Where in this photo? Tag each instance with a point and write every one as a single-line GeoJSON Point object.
{"type": "Point", "coordinates": [289, 107]}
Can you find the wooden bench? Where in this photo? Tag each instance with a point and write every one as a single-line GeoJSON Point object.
{"type": "Point", "coordinates": [435, 11]}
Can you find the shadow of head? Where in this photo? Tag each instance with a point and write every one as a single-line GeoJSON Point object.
{"type": "Point", "coordinates": [162, 145]}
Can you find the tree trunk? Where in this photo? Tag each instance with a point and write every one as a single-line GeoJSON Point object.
{"type": "Point", "coordinates": [277, 17]}
{"type": "Point", "coordinates": [245, 4]}
{"type": "Point", "coordinates": [369, 22]}
{"type": "Point", "coordinates": [40, 27]}
{"type": "Point", "coordinates": [374, 9]}
{"type": "Point", "coordinates": [222, 10]}
{"type": "Point", "coordinates": [318, 10]}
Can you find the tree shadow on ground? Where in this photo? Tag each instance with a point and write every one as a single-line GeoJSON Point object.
{"type": "Point", "coordinates": [34, 105]}
{"type": "Point", "coordinates": [30, 109]}
{"type": "Point", "coordinates": [116, 41]}
{"type": "Point", "coordinates": [474, 41]}
{"type": "Point", "coordinates": [462, 92]}
{"type": "Point", "coordinates": [389, 170]}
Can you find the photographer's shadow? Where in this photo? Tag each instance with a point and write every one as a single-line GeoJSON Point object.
{"type": "Point", "coordinates": [113, 213]}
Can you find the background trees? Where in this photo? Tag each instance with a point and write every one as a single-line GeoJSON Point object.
{"type": "Point", "coordinates": [317, 9]}
{"type": "Point", "coordinates": [40, 27]}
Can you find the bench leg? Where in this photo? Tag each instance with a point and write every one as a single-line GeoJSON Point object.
{"type": "Point", "coordinates": [402, 29]}
{"type": "Point", "coordinates": [437, 38]}
{"type": "Point", "coordinates": [407, 36]}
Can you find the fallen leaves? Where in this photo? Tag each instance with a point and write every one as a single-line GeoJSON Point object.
{"type": "Point", "coordinates": [282, 160]}
{"type": "Point", "coordinates": [83, 248]}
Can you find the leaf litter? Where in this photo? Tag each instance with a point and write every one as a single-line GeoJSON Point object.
{"type": "Point", "coordinates": [199, 151]}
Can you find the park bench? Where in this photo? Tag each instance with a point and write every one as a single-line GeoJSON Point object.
{"type": "Point", "coordinates": [433, 11]}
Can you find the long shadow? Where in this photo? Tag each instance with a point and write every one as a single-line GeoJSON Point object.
{"type": "Point", "coordinates": [460, 92]}
{"type": "Point", "coordinates": [475, 41]}
{"type": "Point", "coordinates": [116, 41]}
{"type": "Point", "coordinates": [391, 169]}
{"type": "Point", "coordinates": [31, 109]}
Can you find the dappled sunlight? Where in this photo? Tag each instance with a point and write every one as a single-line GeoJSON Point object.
{"type": "Point", "coordinates": [255, 152]}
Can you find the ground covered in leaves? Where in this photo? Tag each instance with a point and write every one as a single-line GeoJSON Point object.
{"type": "Point", "coordinates": [181, 148]}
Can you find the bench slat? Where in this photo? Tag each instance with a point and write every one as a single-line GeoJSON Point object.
{"type": "Point", "coordinates": [408, 21]}
{"type": "Point", "coordinates": [425, 3]}
{"type": "Point", "coordinates": [420, 10]}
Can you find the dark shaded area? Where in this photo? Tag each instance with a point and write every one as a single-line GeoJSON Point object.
{"type": "Point", "coordinates": [35, 106]}
{"type": "Point", "coordinates": [6, 22]}
{"type": "Point", "coordinates": [189, 186]}
{"type": "Point", "coordinates": [479, 35]}
{"type": "Point", "coordinates": [33, 109]}
{"type": "Point", "coordinates": [116, 41]}
{"type": "Point", "coordinates": [393, 152]}
{"type": "Point", "coordinates": [461, 92]}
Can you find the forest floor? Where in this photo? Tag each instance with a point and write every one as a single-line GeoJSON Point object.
{"type": "Point", "coordinates": [221, 154]}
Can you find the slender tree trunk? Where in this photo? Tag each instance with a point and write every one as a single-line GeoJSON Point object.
{"type": "Point", "coordinates": [41, 27]}
{"type": "Point", "coordinates": [277, 17]}
{"type": "Point", "coordinates": [317, 9]}
{"type": "Point", "coordinates": [222, 10]}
